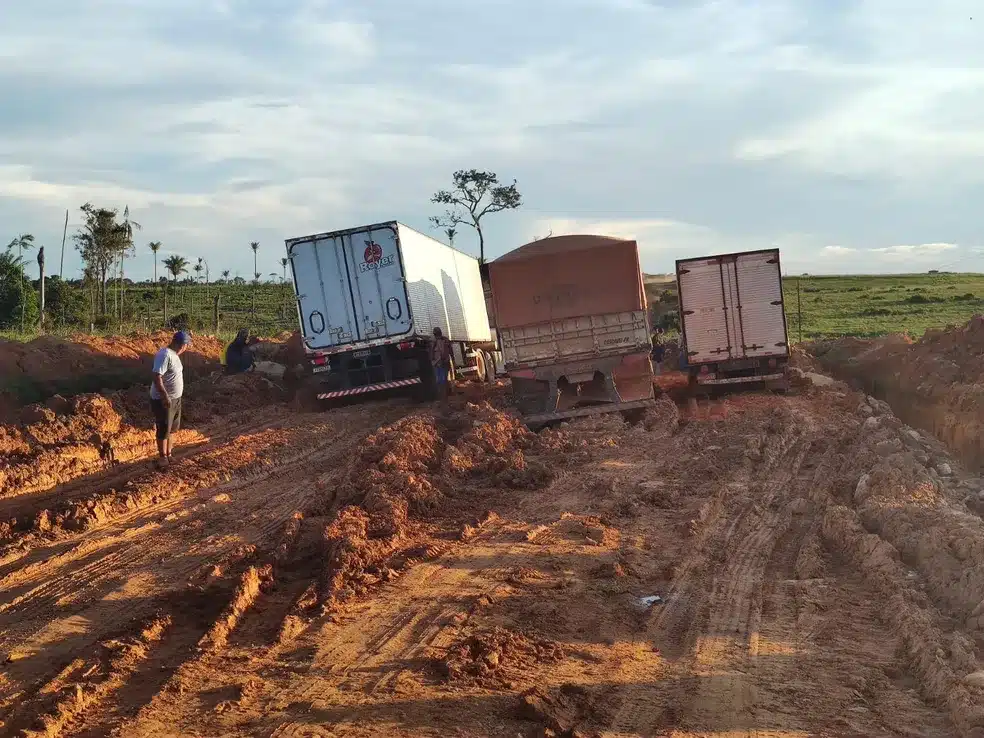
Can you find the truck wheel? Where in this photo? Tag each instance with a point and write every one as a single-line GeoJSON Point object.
{"type": "Point", "coordinates": [489, 367]}
{"type": "Point", "coordinates": [481, 366]}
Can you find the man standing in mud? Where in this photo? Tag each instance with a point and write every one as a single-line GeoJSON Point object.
{"type": "Point", "coordinates": [440, 355]}
{"type": "Point", "coordinates": [165, 394]}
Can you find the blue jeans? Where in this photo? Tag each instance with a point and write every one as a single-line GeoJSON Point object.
{"type": "Point", "coordinates": [441, 375]}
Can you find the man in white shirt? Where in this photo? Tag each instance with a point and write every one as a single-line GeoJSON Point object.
{"type": "Point", "coordinates": [165, 394]}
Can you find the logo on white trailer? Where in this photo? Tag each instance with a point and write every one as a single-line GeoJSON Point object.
{"type": "Point", "coordinates": [373, 257]}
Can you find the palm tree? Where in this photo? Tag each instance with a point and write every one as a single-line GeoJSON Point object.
{"type": "Point", "coordinates": [198, 269]}
{"type": "Point", "coordinates": [176, 265]}
{"type": "Point", "coordinates": [255, 245]}
{"type": "Point", "coordinates": [23, 241]}
{"type": "Point", "coordinates": [155, 246]}
{"type": "Point", "coordinates": [225, 274]}
{"type": "Point", "coordinates": [284, 262]}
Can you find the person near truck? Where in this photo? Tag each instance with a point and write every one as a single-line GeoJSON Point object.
{"type": "Point", "coordinates": [440, 356]}
{"type": "Point", "coordinates": [166, 390]}
{"type": "Point", "coordinates": [659, 348]}
{"type": "Point", "coordinates": [238, 354]}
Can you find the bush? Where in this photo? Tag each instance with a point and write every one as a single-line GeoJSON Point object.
{"type": "Point", "coordinates": [179, 322]}
{"type": "Point", "coordinates": [65, 305]}
{"type": "Point", "coordinates": [18, 300]}
{"type": "Point", "coordinates": [921, 299]}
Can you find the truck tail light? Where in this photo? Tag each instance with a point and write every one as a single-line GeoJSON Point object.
{"type": "Point", "coordinates": [319, 360]}
{"type": "Point", "coordinates": [703, 369]}
{"type": "Point", "coordinates": [404, 345]}
{"type": "Point", "coordinates": [772, 363]}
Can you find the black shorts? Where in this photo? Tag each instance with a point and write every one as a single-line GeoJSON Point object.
{"type": "Point", "coordinates": [166, 419]}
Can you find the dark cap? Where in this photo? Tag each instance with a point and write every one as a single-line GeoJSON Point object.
{"type": "Point", "coordinates": [182, 338]}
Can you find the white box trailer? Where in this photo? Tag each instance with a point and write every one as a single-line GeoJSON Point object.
{"type": "Point", "coordinates": [733, 318]}
{"type": "Point", "coordinates": [369, 298]}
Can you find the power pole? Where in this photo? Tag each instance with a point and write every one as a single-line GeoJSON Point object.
{"type": "Point", "coordinates": [41, 270]}
{"type": "Point", "coordinates": [61, 266]}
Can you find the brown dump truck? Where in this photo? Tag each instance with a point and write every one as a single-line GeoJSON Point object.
{"type": "Point", "coordinates": [571, 321]}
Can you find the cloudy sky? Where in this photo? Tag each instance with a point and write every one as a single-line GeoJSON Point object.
{"type": "Point", "coordinates": [847, 132]}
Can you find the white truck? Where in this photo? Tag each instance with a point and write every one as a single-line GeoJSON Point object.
{"type": "Point", "coordinates": [733, 319]}
{"type": "Point", "coordinates": [368, 300]}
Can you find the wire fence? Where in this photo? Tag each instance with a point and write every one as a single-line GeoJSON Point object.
{"type": "Point", "coordinates": [266, 309]}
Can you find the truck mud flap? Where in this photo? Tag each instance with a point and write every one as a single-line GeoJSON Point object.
{"type": "Point", "coordinates": [580, 412]}
{"type": "Point", "coordinates": [369, 388]}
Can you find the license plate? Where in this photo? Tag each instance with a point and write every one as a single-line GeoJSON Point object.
{"type": "Point", "coordinates": [361, 354]}
{"type": "Point", "coordinates": [319, 369]}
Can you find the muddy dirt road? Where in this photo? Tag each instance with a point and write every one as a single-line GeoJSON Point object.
{"type": "Point", "coordinates": [388, 570]}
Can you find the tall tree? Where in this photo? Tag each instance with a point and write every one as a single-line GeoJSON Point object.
{"type": "Point", "coordinates": [255, 245]}
{"type": "Point", "coordinates": [176, 265]}
{"type": "Point", "coordinates": [18, 302]}
{"type": "Point", "coordinates": [24, 242]}
{"type": "Point", "coordinates": [155, 246]}
{"type": "Point", "coordinates": [225, 274]}
{"type": "Point", "coordinates": [284, 262]}
{"type": "Point", "coordinates": [100, 241]}
{"type": "Point", "coordinates": [473, 195]}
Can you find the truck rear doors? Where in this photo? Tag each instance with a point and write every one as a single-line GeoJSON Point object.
{"type": "Point", "coordinates": [350, 287]}
{"type": "Point", "coordinates": [731, 307]}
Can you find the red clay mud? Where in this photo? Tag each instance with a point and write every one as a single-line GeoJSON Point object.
{"type": "Point", "coordinates": [935, 383]}
{"type": "Point", "coordinates": [409, 571]}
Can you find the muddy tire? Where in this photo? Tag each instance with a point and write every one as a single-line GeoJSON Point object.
{"type": "Point", "coordinates": [489, 367]}
{"type": "Point", "coordinates": [481, 366]}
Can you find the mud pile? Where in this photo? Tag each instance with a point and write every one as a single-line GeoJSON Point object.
{"type": "Point", "coordinates": [59, 440]}
{"type": "Point", "coordinates": [935, 383]}
{"type": "Point", "coordinates": [50, 365]}
{"type": "Point", "coordinates": [62, 439]}
{"type": "Point", "coordinates": [492, 658]}
{"type": "Point", "coordinates": [409, 474]}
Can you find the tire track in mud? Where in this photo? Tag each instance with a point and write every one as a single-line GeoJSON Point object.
{"type": "Point", "coordinates": [264, 501]}
{"type": "Point", "coordinates": [709, 630]}
{"type": "Point", "coordinates": [367, 649]}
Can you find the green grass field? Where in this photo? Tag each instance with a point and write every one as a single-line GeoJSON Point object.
{"type": "Point", "coordinates": [816, 307]}
{"type": "Point", "coordinates": [862, 305]}
{"type": "Point", "coordinates": [867, 306]}
{"type": "Point", "coordinates": [273, 310]}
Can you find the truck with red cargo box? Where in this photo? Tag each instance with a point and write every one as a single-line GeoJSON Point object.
{"type": "Point", "coordinates": [572, 325]}
{"type": "Point", "coordinates": [733, 319]}
{"type": "Point", "coordinates": [368, 300]}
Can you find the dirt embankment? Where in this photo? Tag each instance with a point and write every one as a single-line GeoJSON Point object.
{"type": "Point", "coordinates": [49, 365]}
{"type": "Point", "coordinates": [105, 438]}
{"type": "Point", "coordinates": [935, 383]}
{"type": "Point", "coordinates": [893, 508]}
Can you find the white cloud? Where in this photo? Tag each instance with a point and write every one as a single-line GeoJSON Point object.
{"type": "Point", "coordinates": [713, 126]}
{"type": "Point", "coordinates": [911, 96]}
{"type": "Point", "coordinates": [913, 251]}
